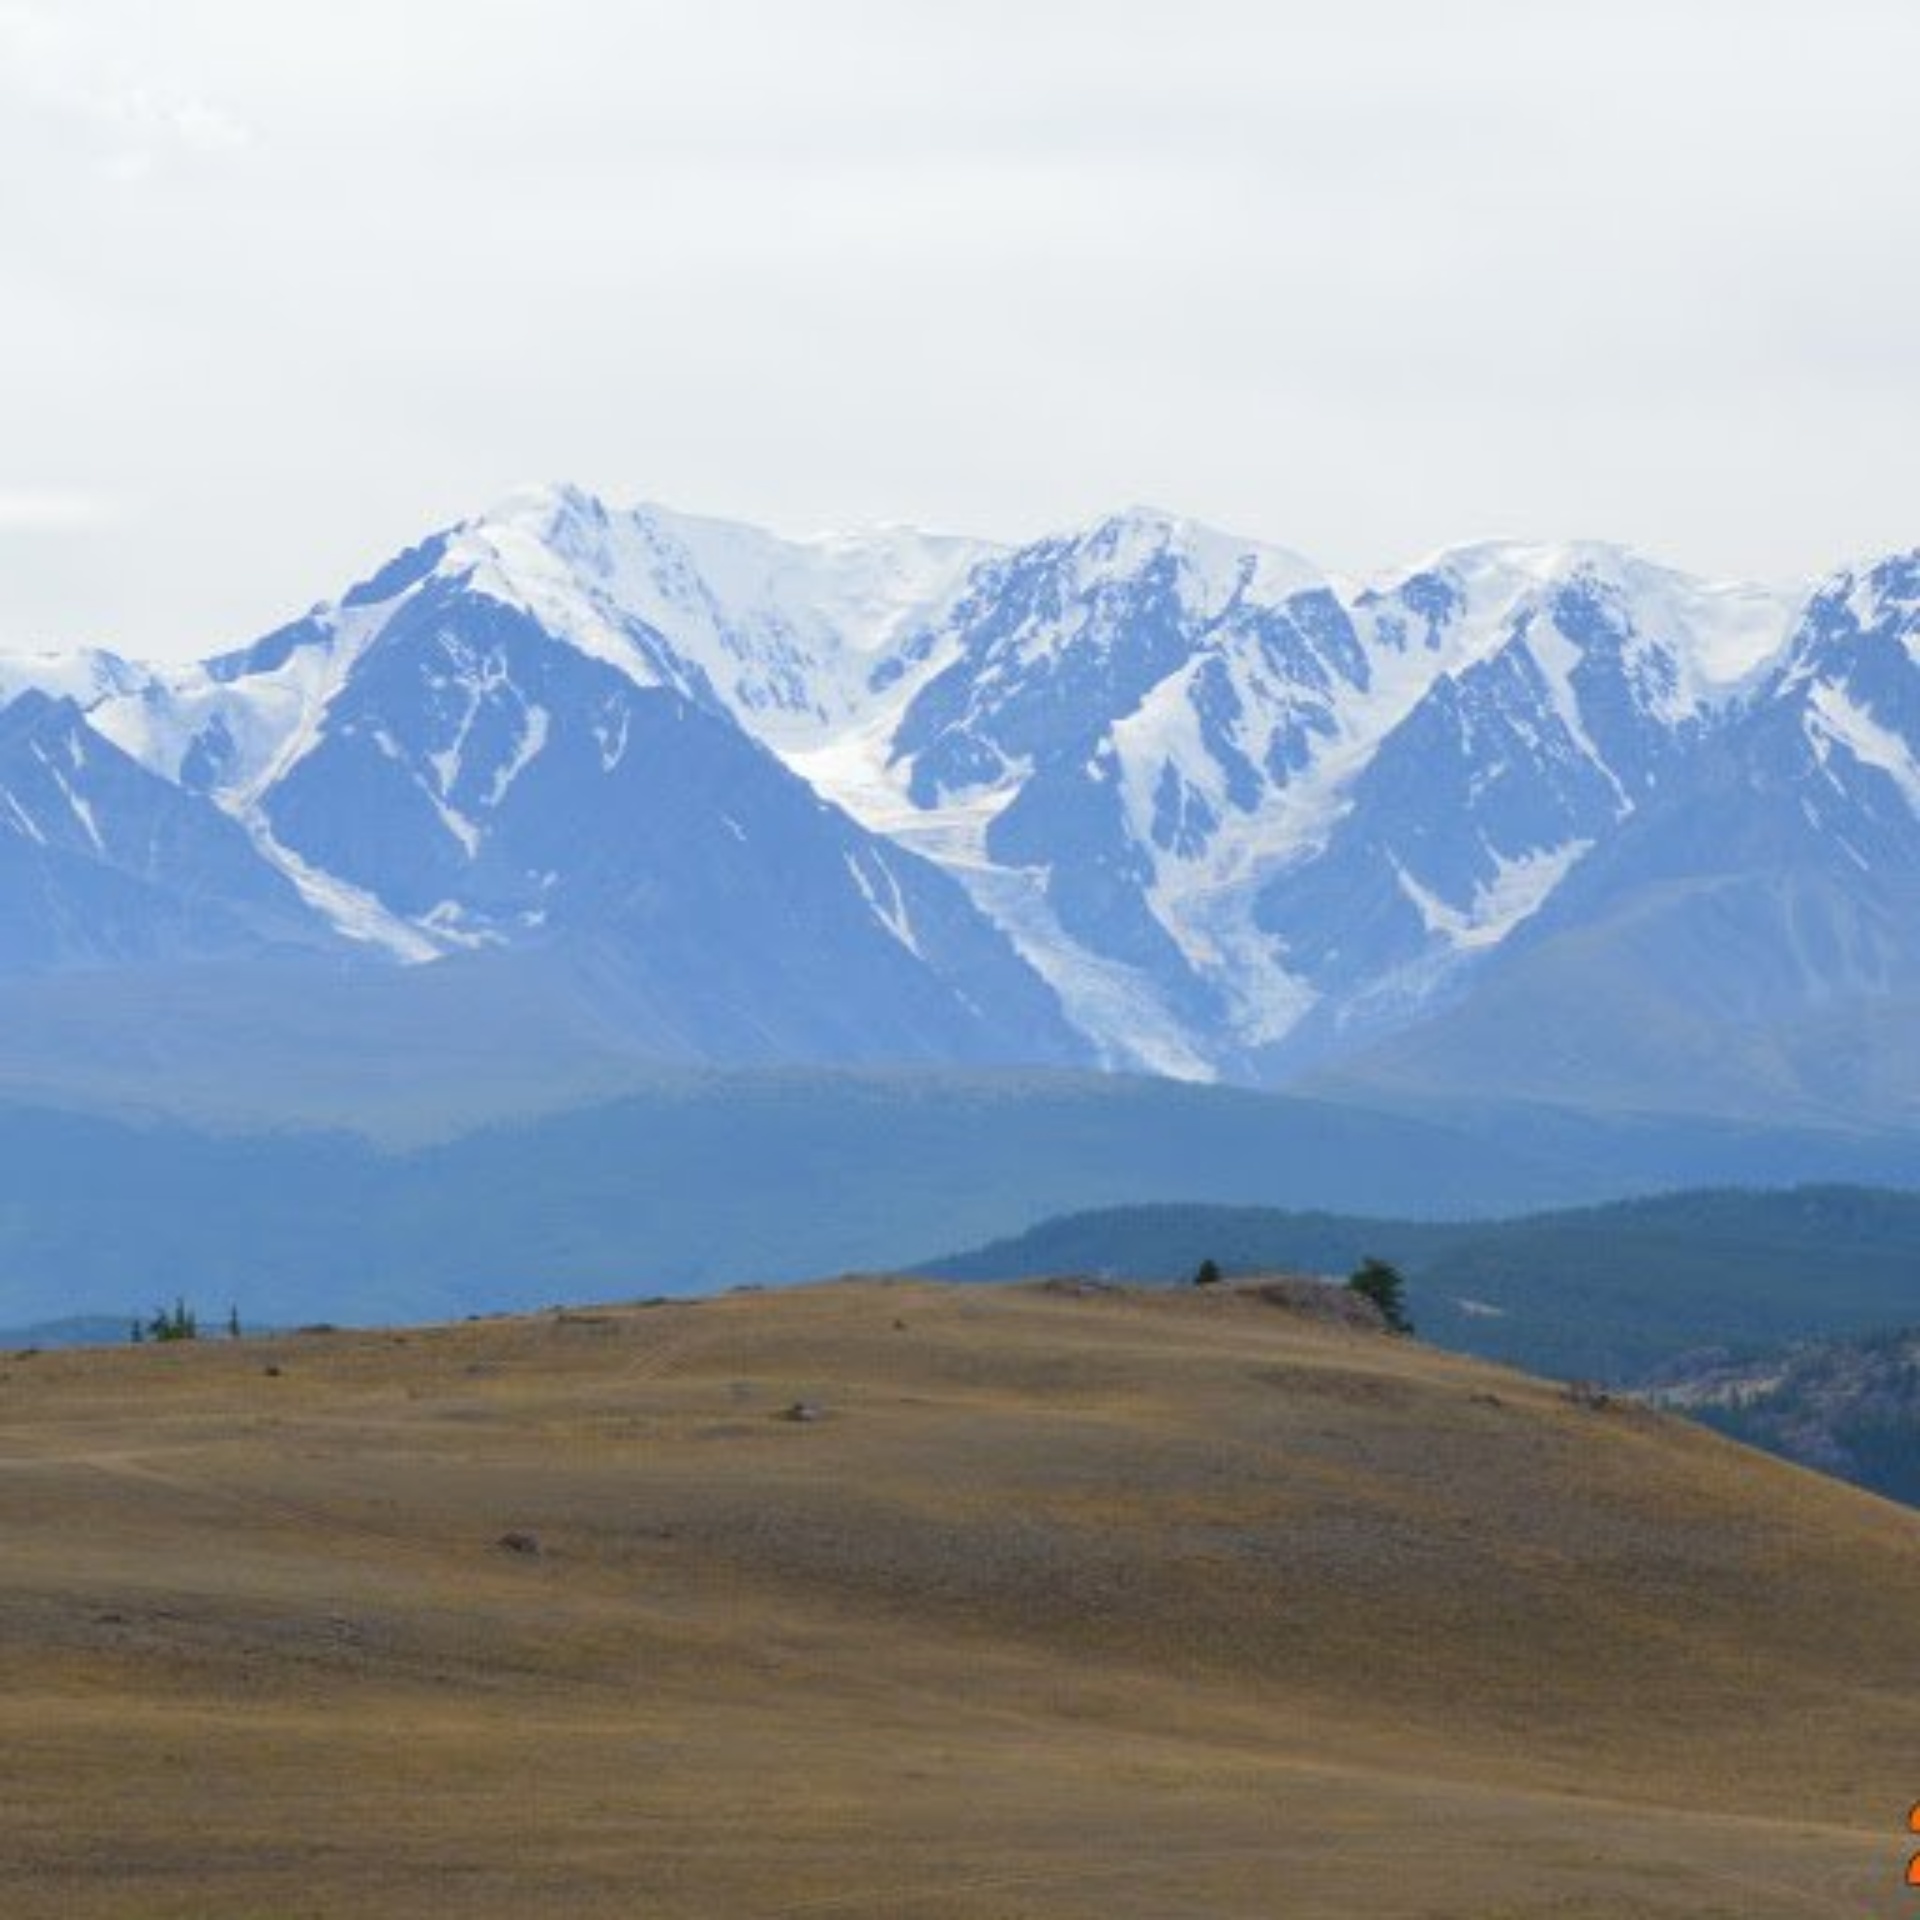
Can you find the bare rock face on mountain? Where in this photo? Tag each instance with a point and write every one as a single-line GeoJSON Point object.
{"type": "Point", "coordinates": [1848, 1407]}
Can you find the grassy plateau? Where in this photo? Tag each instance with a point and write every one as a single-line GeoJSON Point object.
{"type": "Point", "coordinates": [887, 1598]}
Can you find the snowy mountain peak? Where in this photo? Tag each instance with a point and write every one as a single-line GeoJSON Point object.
{"type": "Point", "coordinates": [785, 630]}
{"type": "Point", "coordinates": [1884, 593]}
{"type": "Point", "coordinates": [85, 676]}
{"type": "Point", "coordinates": [1715, 639]}
{"type": "Point", "coordinates": [1232, 811]}
{"type": "Point", "coordinates": [1214, 568]}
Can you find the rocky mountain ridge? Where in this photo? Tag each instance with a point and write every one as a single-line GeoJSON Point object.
{"type": "Point", "coordinates": [1143, 795]}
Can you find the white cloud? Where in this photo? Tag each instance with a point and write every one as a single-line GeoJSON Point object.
{"type": "Point", "coordinates": [86, 70]}
{"type": "Point", "coordinates": [50, 509]}
{"type": "Point", "coordinates": [1363, 276]}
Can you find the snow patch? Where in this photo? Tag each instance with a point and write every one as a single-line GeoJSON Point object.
{"type": "Point", "coordinates": [24, 820]}
{"type": "Point", "coordinates": [77, 803]}
{"type": "Point", "coordinates": [882, 895]}
{"type": "Point", "coordinates": [448, 922]}
{"type": "Point", "coordinates": [1519, 889]}
{"type": "Point", "coordinates": [1836, 720]}
{"type": "Point", "coordinates": [611, 742]}
{"type": "Point", "coordinates": [350, 910]}
{"type": "Point", "coordinates": [527, 749]}
{"type": "Point", "coordinates": [1557, 656]}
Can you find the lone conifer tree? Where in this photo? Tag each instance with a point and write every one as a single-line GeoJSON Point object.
{"type": "Point", "coordinates": [1386, 1287]}
{"type": "Point", "coordinates": [1208, 1274]}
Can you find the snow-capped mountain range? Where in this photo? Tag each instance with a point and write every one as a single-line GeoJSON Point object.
{"type": "Point", "coordinates": [1142, 795]}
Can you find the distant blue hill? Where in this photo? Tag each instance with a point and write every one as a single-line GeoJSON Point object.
{"type": "Point", "coordinates": [78, 1330]}
{"type": "Point", "coordinates": [703, 1180]}
{"type": "Point", "coordinates": [1613, 1291]}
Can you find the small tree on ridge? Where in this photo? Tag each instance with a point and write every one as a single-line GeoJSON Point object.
{"type": "Point", "coordinates": [1385, 1285]}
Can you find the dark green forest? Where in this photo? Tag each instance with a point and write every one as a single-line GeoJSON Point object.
{"type": "Point", "coordinates": [1608, 1292]}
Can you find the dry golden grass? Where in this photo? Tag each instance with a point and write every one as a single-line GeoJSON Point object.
{"type": "Point", "coordinates": [1069, 1606]}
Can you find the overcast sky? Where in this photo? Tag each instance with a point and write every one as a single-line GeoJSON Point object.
{"type": "Point", "coordinates": [285, 286]}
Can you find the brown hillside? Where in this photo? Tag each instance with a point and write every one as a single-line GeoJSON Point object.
{"type": "Point", "coordinates": [1064, 1604]}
